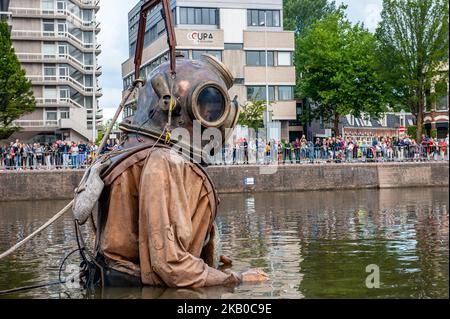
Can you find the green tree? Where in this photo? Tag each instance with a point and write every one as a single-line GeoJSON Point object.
{"type": "Point", "coordinates": [337, 66]}
{"type": "Point", "coordinates": [252, 114]}
{"type": "Point", "coordinates": [299, 15]}
{"type": "Point", "coordinates": [16, 95]}
{"type": "Point", "coordinates": [413, 51]}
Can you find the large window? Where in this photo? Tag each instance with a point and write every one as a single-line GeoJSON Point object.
{"type": "Point", "coordinates": [197, 54]}
{"type": "Point", "coordinates": [49, 50]}
{"type": "Point", "coordinates": [258, 18]}
{"type": "Point", "coordinates": [50, 72]}
{"type": "Point", "coordinates": [205, 16]}
{"type": "Point", "coordinates": [285, 93]}
{"type": "Point", "coordinates": [442, 103]}
{"type": "Point", "coordinates": [48, 5]}
{"type": "Point", "coordinates": [48, 27]}
{"type": "Point", "coordinates": [285, 58]}
{"type": "Point", "coordinates": [259, 93]}
{"type": "Point", "coordinates": [259, 58]}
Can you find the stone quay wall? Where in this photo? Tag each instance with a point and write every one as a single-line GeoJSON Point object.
{"type": "Point", "coordinates": [59, 184]}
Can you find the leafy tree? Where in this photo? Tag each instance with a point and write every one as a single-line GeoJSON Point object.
{"type": "Point", "coordinates": [413, 51]}
{"type": "Point", "coordinates": [336, 61]}
{"type": "Point", "coordinates": [299, 15]}
{"type": "Point", "coordinates": [16, 95]}
{"type": "Point", "coordinates": [252, 114]}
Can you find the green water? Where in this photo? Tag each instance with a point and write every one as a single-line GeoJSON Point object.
{"type": "Point", "coordinates": [312, 245]}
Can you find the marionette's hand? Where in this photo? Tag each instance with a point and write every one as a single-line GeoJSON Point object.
{"type": "Point", "coordinates": [226, 260]}
{"type": "Point", "coordinates": [254, 275]}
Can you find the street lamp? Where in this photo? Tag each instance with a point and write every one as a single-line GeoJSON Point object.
{"type": "Point", "coordinates": [267, 80]}
{"type": "Point", "coordinates": [94, 82]}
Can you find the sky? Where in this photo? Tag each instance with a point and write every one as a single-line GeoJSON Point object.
{"type": "Point", "coordinates": [113, 37]}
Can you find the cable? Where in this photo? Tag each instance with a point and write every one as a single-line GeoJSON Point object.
{"type": "Point", "coordinates": [59, 282]}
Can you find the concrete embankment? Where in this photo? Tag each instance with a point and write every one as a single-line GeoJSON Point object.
{"type": "Point", "coordinates": [59, 184]}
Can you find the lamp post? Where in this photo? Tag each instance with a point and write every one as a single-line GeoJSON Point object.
{"type": "Point", "coordinates": [94, 82]}
{"type": "Point", "coordinates": [267, 80]}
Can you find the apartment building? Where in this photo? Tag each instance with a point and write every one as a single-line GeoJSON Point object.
{"type": "Point", "coordinates": [239, 33]}
{"type": "Point", "coordinates": [55, 41]}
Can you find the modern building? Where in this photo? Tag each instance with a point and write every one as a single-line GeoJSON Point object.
{"type": "Point", "coordinates": [239, 33]}
{"type": "Point", "coordinates": [55, 41]}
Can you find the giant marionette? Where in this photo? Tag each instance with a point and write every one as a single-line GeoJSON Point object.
{"type": "Point", "coordinates": [157, 205]}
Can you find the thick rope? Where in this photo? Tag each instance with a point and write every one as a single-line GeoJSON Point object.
{"type": "Point", "coordinates": [69, 206]}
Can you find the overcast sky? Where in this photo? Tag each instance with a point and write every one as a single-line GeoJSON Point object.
{"type": "Point", "coordinates": [113, 38]}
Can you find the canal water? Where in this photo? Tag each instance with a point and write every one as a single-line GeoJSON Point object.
{"type": "Point", "coordinates": [311, 244]}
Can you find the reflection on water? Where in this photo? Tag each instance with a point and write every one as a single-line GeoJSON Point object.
{"type": "Point", "coordinates": [312, 244]}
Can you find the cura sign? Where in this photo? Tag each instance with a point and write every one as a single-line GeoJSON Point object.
{"type": "Point", "coordinates": [200, 37]}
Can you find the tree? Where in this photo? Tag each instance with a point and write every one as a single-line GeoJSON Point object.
{"type": "Point", "coordinates": [413, 51]}
{"type": "Point", "coordinates": [299, 15]}
{"type": "Point", "coordinates": [16, 95]}
{"type": "Point", "coordinates": [337, 66]}
{"type": "Point", "coordinates": [252, 114]}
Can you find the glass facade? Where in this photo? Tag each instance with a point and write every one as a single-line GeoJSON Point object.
{"type": "Point", "coordinates": [258, 18]}
{"type": "Point", "coordinates": [202, 16]}
{"type": "Point", "coordinates": [258, 58]}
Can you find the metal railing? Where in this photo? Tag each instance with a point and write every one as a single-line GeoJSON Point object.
{"type": "Point", "coordinates": [82, 46]}
{"type": "Point", "coordinates": [57, 12]}
{"type": "Point", "coordinates": [363, 154]}
{"type": "Point", "coordinates": [37, 123]}
{"type": "Point", "coordinates": [56, 57]}
{"type": "Point", "coordinates": [60, 80]}
{"type": "Point", "coordinates": [58, 102]}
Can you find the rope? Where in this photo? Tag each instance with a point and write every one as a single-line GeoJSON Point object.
{"type": "Point", "coordinates": [37, 231]}
{"type": "Point", "coordinates": [69, 206]}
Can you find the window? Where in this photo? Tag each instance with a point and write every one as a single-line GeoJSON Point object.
{"type": "Point", "coordinates": [238, 81]}
{"type": "Point", "coordinates": [51, 115]}
{"type": "Point", "coordinates": [259, 93]}
{"type": "Point", "coordinates": [49, 50]}
{"type": "Point", "coordinates": [88, 59]}
{"type": "Point", "coordinates": [50, 93]}
{"type": "Point", "coordinates": [442, 103]}
{"type": "Point", "coordinates": [63, 71]}
{"type": "Point", "coordinates": [64, 113]}
{"type": "Point", "coordinates": [64, 93]}
{"type": "Point", "coordinates": [88, 37]}
{"type": "Point", "coordinates": [285, 93]}
{"type": "Point", "coordinates": [49, 72]}
{"type": "Point", "coordinates": [87, 15]}
{"type": "Point", "coordinates": [197, 54]}
{"type": "Point", "coordinates": [205, 16]}
{"type": "Point", "coordinates": [258, 18]}
{"type": "Point", "coordinates": [48, 27]}
{"type": "Point", "coordinates": [259, 58]}
{"type": "Point", "coordinates": [233, 46]}
{"type": "Point", "coordinates": [285, 58]}
{"type": "Point", "coordinates": [48, 5]}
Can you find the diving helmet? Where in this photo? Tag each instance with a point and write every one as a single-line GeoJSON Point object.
{"type": "Point", "coordinates": [196, 97]}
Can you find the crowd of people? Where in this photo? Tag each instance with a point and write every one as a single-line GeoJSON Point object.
{"type": "Point", "coordinates": [58, 155]}
{"type": "Point", "coordinates": [334, 149]}
{"type": "Point", "coordinates": [69, 154]}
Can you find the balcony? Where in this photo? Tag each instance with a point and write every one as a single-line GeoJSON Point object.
{"type": "Point", "coordinates": [57, 58]}
{"type": "Point", "coordinates": [52, 14]}
{"type": "Point", "coordinates": [63, 80]}
{"type": "Point", "coordinates": [55, 36]}
{"type": "Point", "coordinates": [42, 102]}
{"type": "Point", "coordinates": [49, 126]}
